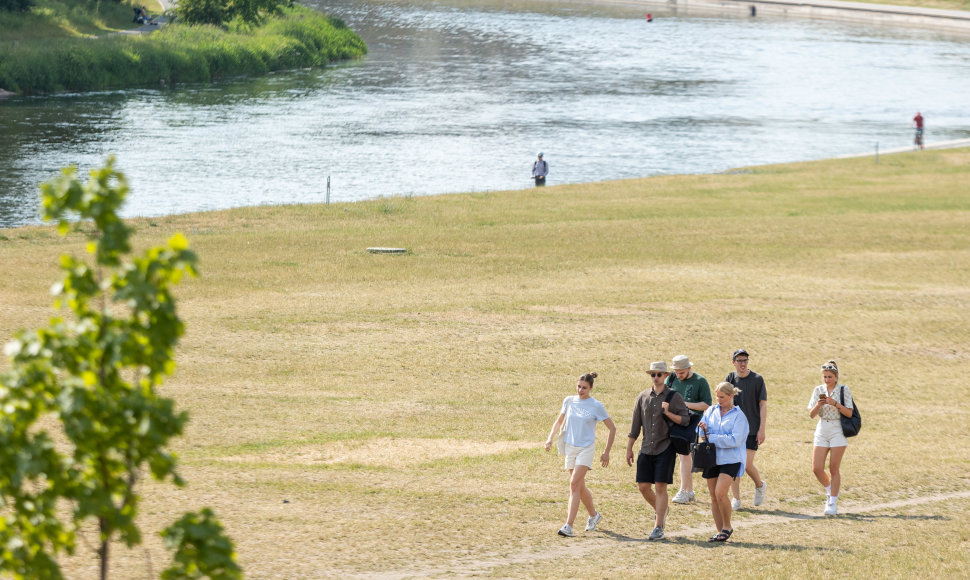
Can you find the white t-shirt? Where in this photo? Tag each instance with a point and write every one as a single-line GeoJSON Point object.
{"type": "Point", "coordinates": [582, 415]}
{"type": "Point", "coordinates": [828, 411]}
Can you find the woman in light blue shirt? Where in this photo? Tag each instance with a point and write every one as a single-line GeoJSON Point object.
{"type": "Point", "coordinates": [726, 427]}
{"type": "Point", "coordinates": [581, 413]}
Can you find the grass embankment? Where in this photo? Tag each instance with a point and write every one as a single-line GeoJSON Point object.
{"type": "Point", "coordinates": [299, 38]}
{"type": "Point", "coordinates": [50, 19]}
{"type": "Point", "coordinates": [358, 414]}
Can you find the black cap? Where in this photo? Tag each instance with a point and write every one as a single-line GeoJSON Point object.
{"type": "Point", "coordinates": [739, 351]}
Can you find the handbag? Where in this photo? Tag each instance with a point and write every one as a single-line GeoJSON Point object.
{"type": "Point", "coordinates": [561, 439]}
{"type": "Point", "coordinates": [850, 425]}
{"type": "Point", "coordinates": [704, 454]}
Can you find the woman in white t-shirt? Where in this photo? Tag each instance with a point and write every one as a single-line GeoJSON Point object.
{"type": "Point", "coordinates": [827, 404]}
{"type": "Point", "coordinates": [581, 414]}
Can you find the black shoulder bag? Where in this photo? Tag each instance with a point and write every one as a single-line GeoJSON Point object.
{"type": "Point", "coordinates": [850, 425]}
{"type": "Point", "coordinates": [681, 436]}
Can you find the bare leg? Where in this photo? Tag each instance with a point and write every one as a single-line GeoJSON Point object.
{"type": "Point", "coordinates": [715, 508]}
{"type": "Point", "coordinates": [835, 462]}
{"type": "Point", "coordinates": [751, 470]}
{"type": "Point", "coordinates": [646, 490]}
{"type": "Point", "coordinates": [577, 488]}
{"type": "Point", "coordinates": [662, 503]}
{"type": "Point", "coordinates": [721, 487]}
{"type": "Point", "coordinates": [818, 465]}
{"type": "Point", "coordinates": [686, 478]}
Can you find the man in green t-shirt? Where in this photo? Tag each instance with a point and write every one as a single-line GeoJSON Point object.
{"type": "Point", "coordinates": [697, 394]}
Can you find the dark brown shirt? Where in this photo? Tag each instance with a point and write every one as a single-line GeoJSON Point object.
{"type": "Point", "coordinates": [648, 416]}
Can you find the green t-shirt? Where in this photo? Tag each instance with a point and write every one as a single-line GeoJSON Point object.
{"type": "Point", "coordinates": [694, 390]}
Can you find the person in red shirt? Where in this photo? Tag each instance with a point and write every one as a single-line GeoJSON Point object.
{"type": "Point", "coordinates": [918, 122]}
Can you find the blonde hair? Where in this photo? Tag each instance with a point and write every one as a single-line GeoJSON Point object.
{"type": "Point", "coordinates": [831, 367]}
{"type": "Point", "coordinates": [727, 388]}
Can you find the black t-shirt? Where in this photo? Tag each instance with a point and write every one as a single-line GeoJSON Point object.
{"type": "Point", "coordinates": [749, 399]}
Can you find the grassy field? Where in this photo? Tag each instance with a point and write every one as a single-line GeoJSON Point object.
{"type": "Point", "coordinates": [359, 415]}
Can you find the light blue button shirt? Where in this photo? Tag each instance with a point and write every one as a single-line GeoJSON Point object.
{"type": "Point", "coordinates": [728, 433]}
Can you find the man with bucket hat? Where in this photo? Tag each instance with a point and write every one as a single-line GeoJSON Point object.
{"type": "Point", "coordinates": [654, 408]}
{"type": "Point", "coordinates": [697, 395]}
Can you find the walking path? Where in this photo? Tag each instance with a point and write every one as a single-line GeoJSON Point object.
{"type": "Point", "coordinates": [938, 145]}
{"type": "Point", "coordinates": [906, 16]}
{"type": "Point", "coordinates": [576, 549]}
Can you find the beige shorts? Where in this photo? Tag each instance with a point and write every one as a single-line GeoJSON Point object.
{"type": "Point", "coordinates": [828, 433]}
{"type": "Point", "coordinates": [579, 456]}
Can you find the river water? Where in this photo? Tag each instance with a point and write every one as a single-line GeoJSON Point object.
{"type": "Point", "coordinates": [460, 96]}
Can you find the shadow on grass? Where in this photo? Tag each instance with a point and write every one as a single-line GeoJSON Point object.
{"type": "Point", "coordinates": [703, 543]}
{"type": "Point", "coordinates": [872, 517]}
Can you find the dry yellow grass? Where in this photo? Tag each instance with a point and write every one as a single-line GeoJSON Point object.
{"type": "Point", "coordinates": [382, 416]}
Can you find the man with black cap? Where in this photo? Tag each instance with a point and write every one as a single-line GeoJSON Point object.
{"type": "Point", "coordinates": [539, 170]}
{"type": "Point", "coordinates": [753, 400]}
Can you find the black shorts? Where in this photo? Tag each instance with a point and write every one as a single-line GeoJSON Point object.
{"type": "Point", "coordinates": [752, 442]}
{"type": "Point", "coordinates": [656, 468]}
{"type": "Point", "coordinates": [730, 468]}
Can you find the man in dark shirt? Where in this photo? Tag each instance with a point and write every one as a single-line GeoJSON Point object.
{"type": "Point", "coordinates": [655, 463]}
{"type": "Point", "coordinates": [753, 400]}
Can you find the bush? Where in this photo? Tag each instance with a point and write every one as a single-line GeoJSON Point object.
{"type": "Point", "coordinates": [16, 5]}
{"type": "Point", "coordinates": [219, 12]}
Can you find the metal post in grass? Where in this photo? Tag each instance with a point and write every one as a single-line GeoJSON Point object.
{"type": "Point", "coordinates": [328, 191]}
{"type": "Point", "coordinates": [877, 152]}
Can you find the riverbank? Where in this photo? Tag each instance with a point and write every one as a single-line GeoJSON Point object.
{"type": "Point", "coordinates": [298, 38]}
{"type": "Point", "coordinates": [340, 398]}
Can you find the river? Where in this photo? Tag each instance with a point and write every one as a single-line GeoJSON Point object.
{"type": "Point", "coordinates": [460, 96]}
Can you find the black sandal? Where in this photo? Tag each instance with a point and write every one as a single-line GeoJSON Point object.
{"type": "Point", "coordinates": [722, 536]}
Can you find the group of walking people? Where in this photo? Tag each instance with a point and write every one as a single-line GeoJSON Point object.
{"type": "Point", "coordinates": [734, 422]}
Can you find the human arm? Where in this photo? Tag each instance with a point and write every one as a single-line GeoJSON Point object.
{"type": "Point", "coordinates": [676, 410]}
{"type": "Point", "coordinates": [703, 396]}
{"type": "Point", "coordinates": [555, 430]}
{"type": "Point", "coordinates": [605, 459]}
{"type": "Point", "coordinates": [629, 450]}
{"type": "Point", "coordinates": [764, 421]}
{"type": "Point", "coordinates": [736, 436]}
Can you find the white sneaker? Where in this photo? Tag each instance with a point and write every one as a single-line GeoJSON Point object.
{"type": "Point", "coordinates": [690, 496]}
{"type": "Point", "coordinates": [735, 503]}
{"type": "Point", "coordinates": [831, 509]}
{"type": "Point", "coordinates": [592, 521]}
{"type": "Point", "coordinates": [682, 497]}
{"type": "Point", "coordinates": [656, 534]}
{"type": "Point", "coordinates": [760, 493]}
{"type": "Point", "coordinates": [566, 530]}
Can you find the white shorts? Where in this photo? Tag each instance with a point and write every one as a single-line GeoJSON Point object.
{"type": "Point", "coordinates": [828, 433]}
{"type": "Point", "coordinates": [579, 456]}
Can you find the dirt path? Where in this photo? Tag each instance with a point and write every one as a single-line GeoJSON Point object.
{"type": "Point", "coordinates": [463, 569]}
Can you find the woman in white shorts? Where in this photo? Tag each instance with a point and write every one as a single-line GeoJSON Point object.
{"type": "Point", "coordinates": [826, 403]}
{"type": "Point", "coordinates": [581, 414]}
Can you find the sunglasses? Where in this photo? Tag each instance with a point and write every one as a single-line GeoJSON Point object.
{"type": "Point", "coordinates": [656, 374]}
{"type": "Point", "coordinates": [740, 360]}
